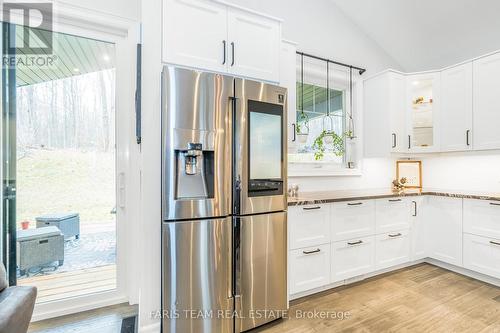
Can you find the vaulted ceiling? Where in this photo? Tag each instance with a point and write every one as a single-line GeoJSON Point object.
{"type": "Point", "coordinates": [428, 34]}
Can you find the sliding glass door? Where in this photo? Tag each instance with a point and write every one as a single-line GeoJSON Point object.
{"type": "Point", "coordinates": [59, 164]}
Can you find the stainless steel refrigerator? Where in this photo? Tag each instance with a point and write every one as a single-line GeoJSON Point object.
{"type": "Point", "coordinates": [224, 225]}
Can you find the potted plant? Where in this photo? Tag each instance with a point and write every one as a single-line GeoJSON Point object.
{"type": "Point", "coordinates": [302, 127]}
{"type": "Point", "coordinates": [327, 138]}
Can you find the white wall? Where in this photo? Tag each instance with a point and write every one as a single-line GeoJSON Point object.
{"type": "Point", "coordinates": [472, 171]}
{"type": "Point", "coordinates": [320, 28]}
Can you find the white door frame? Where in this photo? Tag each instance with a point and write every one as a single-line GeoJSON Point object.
{"type": "Point", "coordinates": [124, 33]}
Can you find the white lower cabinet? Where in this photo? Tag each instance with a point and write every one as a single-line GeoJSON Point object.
{"type": "Point", "coordinates": [351, 258]}
{"type": "Point", "coordinates": [482, 218]}
{"type": "Point", "coordinates": [392, 248]}
{"type": "Point", "coordinates": [309, 225]}
{"type": "Point", "coordinates": [482, 254]}
{"type": "Point", "coordinates": [392, 214]}
{"type": "Point", "coordinates": [309, 268]}
{"type": "Point", "coordinates": [353, 219]}
{"type": "Point", "coordinates": [445, 229]}
{"type": "Point", "coordinates": [418, 229]}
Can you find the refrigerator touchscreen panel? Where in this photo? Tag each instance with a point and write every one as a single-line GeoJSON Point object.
{"type": "Point", "coordinates": [265, 130]}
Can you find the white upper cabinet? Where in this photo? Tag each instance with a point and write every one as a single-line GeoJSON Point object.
{"type": "Point", "coordinates": [212, 36]}
{"type": "Point", "coordinates": [194, 34]}
{"type": "Point", "coordinates": [423, 112]}
{"type": "Point", "coordinates": [254, 45]}
{"type": "Point", "coordinates": [456, 108]}
{"type": "Point", "coordinates": [384, 99]}
{"type": "Point", "coordinates": [486, 107]}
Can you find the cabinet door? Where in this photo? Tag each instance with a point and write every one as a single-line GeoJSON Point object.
{"type": "Point", "coordinates": [254, 45]}
{"type": "Point", "coordinates": [482, 217]}
{"type": "Point", "coordinates": [392, 249]}
{"type": "Point", "coordinates": [423, 105]}
{"type": "Point", "coordinates": [482, 255]}
{"type": "Point", "coordinates": [392, 214]}
{"type": "Point", "coordinates": [195, 34]}
{"type": "Point", "coordinates": [418, 229]}
{"type": "Point", "coordinates": [352, 258]}
{"type": "Point", "coordinates": [352, 219]}
{"type": "Point", "coordinates": [377, 130]}
{"type": "Point", "coordinates": [309, 268]}
{"type": "Point", "coordinates": [445, 230]}
{"type": "Point", "coordinates": [309, 225]}
{"type": "Point", "coordinates": [397, 100]}
{"type": "Point", "coordinates": [288, 79]}
{"type": "Point", "coordinates": [456, 108]}
{"type": "Point", "coordinates": [486, 107]}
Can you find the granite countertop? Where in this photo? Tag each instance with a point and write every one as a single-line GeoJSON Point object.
{"type": "Point", "coordinates": [305, 198]}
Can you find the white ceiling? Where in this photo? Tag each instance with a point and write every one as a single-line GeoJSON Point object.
{"type": "Point", "coordinates": [428, 34]}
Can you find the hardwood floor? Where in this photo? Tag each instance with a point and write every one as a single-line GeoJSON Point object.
{"type": "Point", "coordinates": [72, 284]}
{"type": "Point", "coordinates": [105, 320]}
{"type": "Point", "coordinates": [422, 298]}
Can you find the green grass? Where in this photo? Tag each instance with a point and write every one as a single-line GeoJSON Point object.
{"type": "Point", "coordinates": [58, 181]}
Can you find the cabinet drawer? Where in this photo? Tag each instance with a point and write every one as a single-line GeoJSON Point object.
{"type": "Point", "coordinates": [309, 225]}
{"type": "Point", "coordinates": [392, 214]}
{"type": "Point", "coordinates": [353, 219]}
{"type": "Point", "coordinates": [482, 254]}
{"type": "Point", "coordinates": [392, 249]}
{"type": "Point", "coordinates": [482, 218]}
{"type": "Point", "coordinates": [352, 258]}
{"type": "Point", "coordinates": [309, 268]}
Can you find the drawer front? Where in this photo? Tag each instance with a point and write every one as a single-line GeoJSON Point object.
{"type": "Point", "coordinates": [309, 225]}
{"type": "Point", "coordinates": [352, 258]}
{"type": "Point", "coordinates": [482, 218]}
{"type": "Point", "coordinates": [482, 255]}
{"type": "Point", "coordinates": [392, 249]}
{"type": "Point", "coordinates": [309, 268]}
{"type": "Point", "coordinates": [392, 214]}
{"type": "Point", "coordinates": [353, 219]}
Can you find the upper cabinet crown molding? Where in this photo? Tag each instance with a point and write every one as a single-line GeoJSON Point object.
{"type": "Point", "coordinates": [215, 36]}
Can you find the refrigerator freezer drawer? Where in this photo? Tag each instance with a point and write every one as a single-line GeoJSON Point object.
{"type": "Point", "coordinates": [261, 270]}
{"type": "Point", "coordinates": [196, 258]}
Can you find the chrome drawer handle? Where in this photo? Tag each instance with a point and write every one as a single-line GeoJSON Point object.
{"type": "Point", "coordinates": [395, 200]}
{"type": "Point", "coordinates": [494, 204]}
{"type": "Point", "coordinates": [311, 252]}
{"type": "Point", "coordinates": [311, 208]}
{"type": "Point", "coordinates": [495, 243]}
{"type": "Point", "coordinates": [355, 204]}
{"type": "Point", "coordinates": [395, 235]}
{"type": "Point", "coordinates": [355, 243]}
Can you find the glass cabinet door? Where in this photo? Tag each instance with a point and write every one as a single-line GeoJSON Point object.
{"type": "Point", "coordinates": [423, 91]}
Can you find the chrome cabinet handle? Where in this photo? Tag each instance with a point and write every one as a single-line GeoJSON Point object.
{"type": "Point", "coordinates": [467, 137]}
{"type": "Point", "coordinates": [395, 235]}
{"type": "Point", "coordinates": [355, 243]}
{"type": "Point", "coordinates": [294, 132]}
{"type": "Point", "coordinates": [311, 208]}
{"type": "Point", "coordinates": [311, 252]}
{"type": "Point", "coordinates": [409, 141]}
{"type": "Point", "coordinates": [494, 204]}
{"type": "Point", "coordinates": [395, 200]}
{"type": "Point", "coordinates": [394, 140]}
{"type": "Point", "coordinates": [355, 204]}
{"type": "Point", "coordinates": [232, 52]}
{"type": "Point", "coordinates": [414, 208]}
{"type": "Point", "coordinates": [224, 45]}
{"type": "Point", "coordinates": [495, 243]}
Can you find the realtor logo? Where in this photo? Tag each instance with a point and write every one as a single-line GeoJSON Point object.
{"type": "Point", "coordinates": [36, 21]}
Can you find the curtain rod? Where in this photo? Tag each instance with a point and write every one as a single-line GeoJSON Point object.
{"type": "Point", "coordinates": [361, 70]}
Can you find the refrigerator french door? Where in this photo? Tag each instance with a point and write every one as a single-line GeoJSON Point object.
{"type": "Point", "coordinates": [223, 202]}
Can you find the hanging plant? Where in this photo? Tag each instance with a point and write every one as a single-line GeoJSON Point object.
{"type": "Point", "coordinates": [325, 137]}
{"type": "Point", "coordinates": [302, 127]}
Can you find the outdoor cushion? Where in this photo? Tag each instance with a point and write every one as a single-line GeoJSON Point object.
{"type": "Point", "coordinates": [56, 217]}
{"type": "Point", "coordinates": [3, 278]}
{"type": "Point", "coordinates": [29, 234]}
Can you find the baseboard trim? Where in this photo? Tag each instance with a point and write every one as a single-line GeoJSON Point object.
{"type": "Point", "coordinates": [464, 271]}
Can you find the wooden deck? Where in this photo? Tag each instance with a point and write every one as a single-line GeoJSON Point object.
{"type": "Point", "coordinates": [72, 284]}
